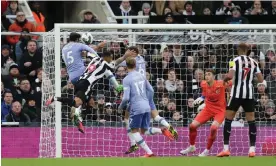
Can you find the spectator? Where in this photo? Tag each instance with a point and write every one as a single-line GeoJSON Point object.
{"type": "Point", "coordinates": [21, 45]}
{"type": "Point", "coordinates": [32, 110]}
{"type": "Point", "coordinates": [261, 89]}
{"type": "Point", "coordinates": [3, 91]}
{"type": "Point", "coordinates": [225, 8]}
{"type": "Point", "coordinates": [167, 10]}
{"type": "Point", "coordinates": [12, 80]}
{"type": "Point", "coordinates": [6, 60]}
{"type": "Point", "coordinates": [195, 87]}
{"type": "Point", "coordinates": [207, 11]}
{"type": "Point", "coordinates": [271, 82]}
{"type": "Point", "coordinates": [178, 54]}
{"type": "Point", "coordinates": [256, 9]}
{"type": "Point", "coordinates": [6, 105]}
{"type": "Point", "coordinates": [12, 9]}
{"type": "Point", "coordinates": [188, 9]}
{"type": "Point", "coordinates": [38, 81]}
{"type": "Point", "coordinates": [110, 114]}
{"type": "Point", "coordinates": [170, 83]}
{"type": "Point", "coordinates": [124, 10]}
{"type": "Point", "coordinates": [64, 77]}
{"type": "Point", "coordinates": [121, 72]}
{"type": "Point", "coordinates": [146, 11]}
{"type": "Point", "coordinates": [270, 56]}
{"type": "Point", "coordinates": [190, 113]}
{"type": "Point", "coordinates": [31, 60]}
{"type": "Point", "coordinates": [25, 92]}
{"type": "Point", "coordinates": [169, 19]}
{"type": "Point", "coordinates": [177, 7]}
{"type": "Point", "coordinates": [269, 113]}
{"type": "Point", "coordinates": [272, 9]}
{"type": "Point", "coordinates": [16, 115]}
{"type": "Point", "coordinates": [176, 116]}
{"type": "Point", "coordinates": [38, 17]}
{"type": "Point", "coordinates": [20, 23]}
{"type": "Point", "coordinates": [88, 17]}
{"type": "Point", "coordinates": [236, 17]}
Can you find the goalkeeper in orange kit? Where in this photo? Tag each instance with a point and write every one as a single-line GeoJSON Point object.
{"type": "Point", "coordinates": [213, 94]}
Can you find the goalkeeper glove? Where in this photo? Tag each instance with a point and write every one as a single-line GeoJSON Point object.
{"type": "Point", "coordinates": [198, 101]}
{"type": "Point", "coordinates": [119, 88]}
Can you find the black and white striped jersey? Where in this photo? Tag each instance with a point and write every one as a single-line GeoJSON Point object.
{"type": "Point", "coordinates": [245, 68]}
{"type": "Point", "coordinates": [97, 69]}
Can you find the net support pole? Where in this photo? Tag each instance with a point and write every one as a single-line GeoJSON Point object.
{"type": "Point", "coordinates": [58, 129]}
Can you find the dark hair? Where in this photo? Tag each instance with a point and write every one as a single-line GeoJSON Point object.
{"type": "Point", "coordinates": [7, 92]}
{"type": "Point", "coordinates": [24, 79]}
{"type": "Point", "coordinates": [106, 54]}
{"type": "Point", "coordinates": [134, 48]}
{"type": "Point", "coordinates": [211, 71]}
{"type": "Point", "coordinates": [74, 36]}
{"type": "Point", "coordinates": [188, 3]}
{"type": "Point", "coordinates": [32, 41]}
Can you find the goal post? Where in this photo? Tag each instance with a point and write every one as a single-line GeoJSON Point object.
{"type": "Point", "coordinates": [53, 132]}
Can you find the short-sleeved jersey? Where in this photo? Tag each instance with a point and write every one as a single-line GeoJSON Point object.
{"type": "Point", "coordinates": [214, 95]}
{"type": "Point", "coordinates": [140, 64]}
{"type": "Point", "coordinates": [71, 55]}
{"type": "Point", "coordinates": [245, 68]}
{"type": "Point", "coordinates": [135, 90]}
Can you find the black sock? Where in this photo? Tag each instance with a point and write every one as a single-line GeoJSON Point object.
{"type": "Point", "coordinates": [227, 131]}
{"type": "Point", "coordinates": [66, 100]}
{"type": "Point", "coordinates": [252, 132]}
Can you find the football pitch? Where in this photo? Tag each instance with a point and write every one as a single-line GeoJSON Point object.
{"type": "Point", "coordinates": [157, 161]}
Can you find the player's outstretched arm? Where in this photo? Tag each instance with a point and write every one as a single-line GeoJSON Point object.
{"type": "Point", "coordinates": [110, 76]}
{"type": "Point", "coordinates": [128, 53]}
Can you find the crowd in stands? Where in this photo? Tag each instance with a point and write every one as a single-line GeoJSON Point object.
{"type": "Point", "coordinates": [175, 71]}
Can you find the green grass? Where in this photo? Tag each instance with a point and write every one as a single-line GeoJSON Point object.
{"type": "Point", "coordinates": [158, 161]}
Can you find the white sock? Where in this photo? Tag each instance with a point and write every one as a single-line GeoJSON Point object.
{"type": "Point", "coordinates": [252, 149]}
{"type": "Point", "coordinates": [153, 131]}
{"type": "Point", "coordinates": [55, 98]}
{"type": "Point", "coordinates": [225, 147]}
{"type": "Point", "coordinates": [139, 139]}
{"type": "Point", "coordinates": [132, 140]}
{"type": "Point", "coordinates": [162, 121]}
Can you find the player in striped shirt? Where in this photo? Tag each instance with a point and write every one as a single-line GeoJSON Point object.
{"type": "Point", "coordinates": [141, 68]}
{"type": "Point", "coordinates": [242, 71]}
{"type": "Point", "coordinates": [96, 69]}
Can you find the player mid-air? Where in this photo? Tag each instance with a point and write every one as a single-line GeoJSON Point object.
{"type": "Point", "coordinates": [242, 71]}
{"type": "Point", "coordinates": [213, 94]}
{"type": "Point", "coordinates": [96, 69]}
{"type": "Point", "coordinates": [72, 56]}
{"type": "Point", "coordinates": [135, 92]}
{"type": "Point", "coordinates": [141, 68]}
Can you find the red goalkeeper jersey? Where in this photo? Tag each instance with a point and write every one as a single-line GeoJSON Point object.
{"type": "Point", "coordinates": [214, 95]}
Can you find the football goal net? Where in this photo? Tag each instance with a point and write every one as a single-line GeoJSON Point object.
{"type": "Point", "coordinates": [176, 56]}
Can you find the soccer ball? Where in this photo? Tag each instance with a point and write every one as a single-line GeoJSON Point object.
{"type": "Point", "coordinates": [87, 38]}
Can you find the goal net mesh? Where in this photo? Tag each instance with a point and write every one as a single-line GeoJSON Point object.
{"type": "Point", "coordinates": [175, 60]}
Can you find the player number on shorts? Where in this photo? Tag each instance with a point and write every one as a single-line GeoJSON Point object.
{"type": "Point", "coordinates": [246, 71]}
{"type": "Point", "coordinates": [69, 58]}
{"type": "Point", "coordinates": [139, 87]}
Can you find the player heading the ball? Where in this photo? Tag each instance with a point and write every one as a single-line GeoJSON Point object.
{"type": "Point", "coordinates": [213, 94]}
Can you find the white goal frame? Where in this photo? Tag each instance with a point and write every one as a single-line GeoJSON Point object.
{"type": "Point", "coordinates": [130, 27]}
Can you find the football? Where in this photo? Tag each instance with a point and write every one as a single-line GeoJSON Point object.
{"type": "Point", "coordinates": [87, 38]}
